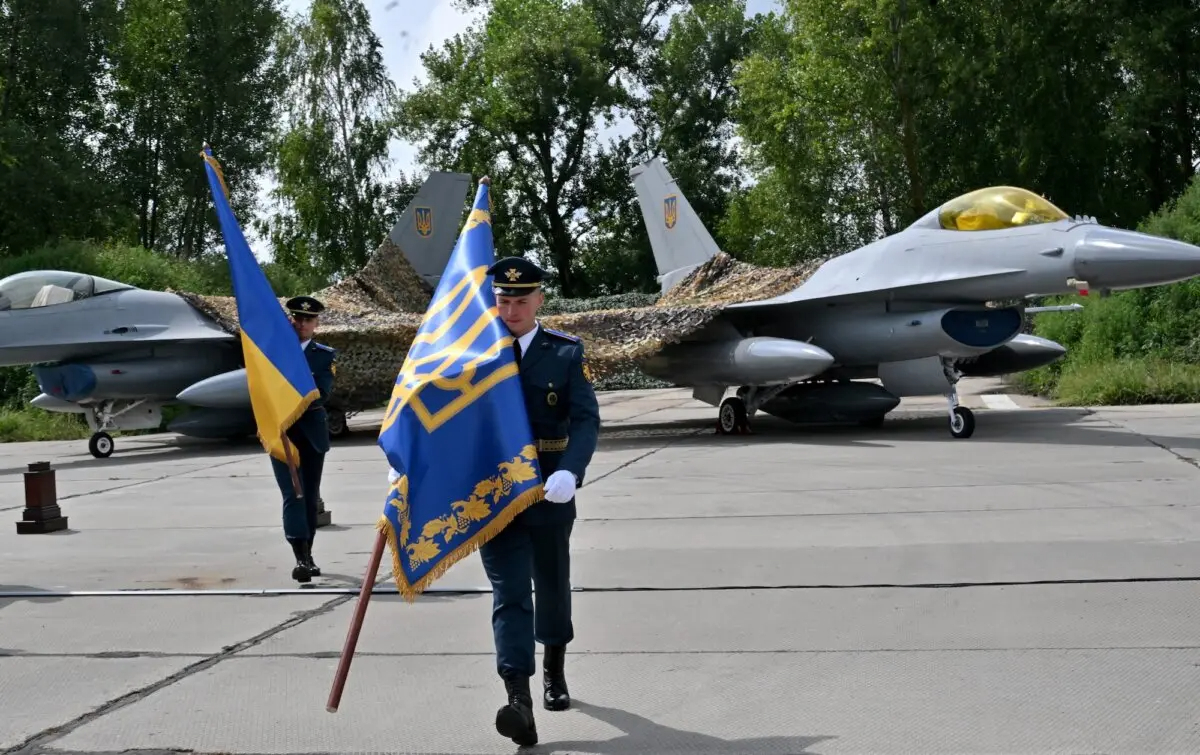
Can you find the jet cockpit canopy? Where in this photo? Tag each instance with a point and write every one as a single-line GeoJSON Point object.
{"type": "Point", "coordinates": [996, 208]}
{"type": "Point", "coordinates": [45, 288]}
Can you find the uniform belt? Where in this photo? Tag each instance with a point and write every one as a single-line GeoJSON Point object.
{"type": "Point", "coordinates": [552, 444]}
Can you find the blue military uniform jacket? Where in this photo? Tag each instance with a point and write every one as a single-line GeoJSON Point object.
{"type": "Point", "coordinates": [563, 414]}
{"type": "Point", "coordinates": [313, 425]}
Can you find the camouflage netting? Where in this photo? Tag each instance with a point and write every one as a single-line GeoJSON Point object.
{"type": "Point", "coordinates": [724, 280]}
{"type": "Point", "coordinates": [372, 317]}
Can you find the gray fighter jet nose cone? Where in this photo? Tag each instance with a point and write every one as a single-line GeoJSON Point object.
{"type": "Point", "coordinates": [1113, 258]}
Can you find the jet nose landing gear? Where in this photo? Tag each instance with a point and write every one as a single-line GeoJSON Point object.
{"type": "Point", "coordinates": [101, 445]}
{"type": "Point", "coordinates": [962, 419]}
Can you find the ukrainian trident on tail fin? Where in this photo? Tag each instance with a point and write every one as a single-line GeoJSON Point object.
{"type": "Point", "coordinates": [428, 228]}
{"type": "Point", "coordinates": [403, 271]}
{"type": "Point", "coordinates": [679, 240]}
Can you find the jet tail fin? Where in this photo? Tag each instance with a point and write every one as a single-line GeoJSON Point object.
{"type": "Point", "coordinates": [428, 228]}
{"type": "Point", "coordinates": [403, 271]}
{"type": "Point", "coordinates": [679, 240]}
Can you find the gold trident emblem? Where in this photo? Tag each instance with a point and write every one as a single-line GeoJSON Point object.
{"type": "Point", "coordinates": [424, 221]}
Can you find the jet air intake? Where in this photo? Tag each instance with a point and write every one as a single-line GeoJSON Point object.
{"type": "Point", "coordinates": [741, 361]}
{"type": "Point", "coordinates": [127, 379]}
{"type": "Point", "coordinates": [874, 336]}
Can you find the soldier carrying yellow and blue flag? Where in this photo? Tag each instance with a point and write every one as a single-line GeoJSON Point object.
{"type": "Point", "coordinates": [280, 380]}
{"type": "Point", "coordinates": [456, 429]}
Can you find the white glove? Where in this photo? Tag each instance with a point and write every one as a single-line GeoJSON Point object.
{"type": "Point", "coordinates": [560, 488]}
{"type": "Point", "coordinates": [393, 475]}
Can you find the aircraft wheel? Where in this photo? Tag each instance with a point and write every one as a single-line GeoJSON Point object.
{"type": "Point", "coordinates": [731, 419]}
{"type": "Point", "coordinates": [962, 422]}
{"type": "Point", "coordinates": [101, 445]}
{"type": "Point", "coordinates": [337, 424]}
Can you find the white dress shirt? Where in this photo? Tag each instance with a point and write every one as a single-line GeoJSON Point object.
{"type": "Point", "coordinates": [527, 339]}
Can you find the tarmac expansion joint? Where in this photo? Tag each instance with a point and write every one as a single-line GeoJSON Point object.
{"type": "Point", "coordinates": [36, 744]}
{"type": "Point", "coordinates": [1122, 426]}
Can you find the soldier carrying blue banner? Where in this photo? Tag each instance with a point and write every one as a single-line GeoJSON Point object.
{"type": "Point", "coordinates": [486, 404]}
{"type": "Point", "coordinates": [565, 419]}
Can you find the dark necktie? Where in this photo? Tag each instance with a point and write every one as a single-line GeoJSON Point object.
{"type": "Point", "coordinates": [517, 349]}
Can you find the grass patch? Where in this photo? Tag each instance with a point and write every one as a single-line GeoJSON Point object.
{"type": "Point", "coordinates": [23, 425]}
{"type": "Point", "coordinates": [1124, 382]}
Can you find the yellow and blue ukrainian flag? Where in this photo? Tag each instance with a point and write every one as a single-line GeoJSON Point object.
{"type": "Point", "coordinates": [456, 429]}
{"type": "Point", "coordinates": [281, 383]}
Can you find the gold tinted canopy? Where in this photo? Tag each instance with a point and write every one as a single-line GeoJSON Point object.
{"type": "Point", "coordinates": [996, 208]}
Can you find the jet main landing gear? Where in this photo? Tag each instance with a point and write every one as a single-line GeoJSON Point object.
{"type": "Point", "coordinates": [733, 418]}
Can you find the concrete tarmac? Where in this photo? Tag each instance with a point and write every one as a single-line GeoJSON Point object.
{"type": "Point", "coordinates": [800, 590]}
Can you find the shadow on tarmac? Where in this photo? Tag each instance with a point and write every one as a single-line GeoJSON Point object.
{"type": "Point", "coordinates": [641, 735]}
{"type": "Point", "coordinates": [1052, 426]}
{"type": "Point", "coordinates": [5, 602]}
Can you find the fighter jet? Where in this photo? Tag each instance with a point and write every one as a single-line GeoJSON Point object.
{"type": "Point", "coordinates": [120, 354]}
{"type": "Point", "coordinates": [909, 310]}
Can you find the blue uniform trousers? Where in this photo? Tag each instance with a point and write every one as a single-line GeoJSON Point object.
{"type": "Point", "coordinates": [523, 553]}
{"type": "Point", "coordinates": [300, 517]}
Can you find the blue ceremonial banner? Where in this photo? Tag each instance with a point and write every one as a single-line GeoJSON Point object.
{"type": "Point", "coordinates": [280, 381]}
{"type": "Point", "coordinates": [456, 429]}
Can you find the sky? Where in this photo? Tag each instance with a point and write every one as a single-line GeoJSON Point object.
{"type": "Point", "coordinates": [407, 28]}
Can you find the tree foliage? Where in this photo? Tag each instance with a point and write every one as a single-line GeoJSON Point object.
{"type": "Point", "coordinates": [804, 132]}
{"type": "Point", "coordinates": [330, 157]}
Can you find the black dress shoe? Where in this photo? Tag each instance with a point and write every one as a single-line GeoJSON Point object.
{"type": "Point", "coordinates": [554, 682]}
{"type": "Point", "coordinates": [301, 572]}
{"type": "Point", "coordinates": [515, 720]}
{"type": "Point", "coordinates": [313, 569]}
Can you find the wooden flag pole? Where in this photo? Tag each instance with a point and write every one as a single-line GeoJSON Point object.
{"type": "Point", "coordinates": [360, 611]}
{"type": "Point", "coordinates": [291, 461]}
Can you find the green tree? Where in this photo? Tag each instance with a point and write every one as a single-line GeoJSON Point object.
{"type": "Point", "coordinates": [190, 72]}
{"type": "Point", "coordinates": [52, 182]}
{"type": "Point", "coordinates": [683, 112]}
{"type": "Point", "coordinates": [335, 200]}
{"type": "Point", "coordinates": [522, 98]}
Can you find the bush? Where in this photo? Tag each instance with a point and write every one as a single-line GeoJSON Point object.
{"type": "Point", "coordinates": [144, 268]}
{"type": "Point", "coordinates": [1123, 382]}
{"type": "Point", "coordinates": [32, 424]}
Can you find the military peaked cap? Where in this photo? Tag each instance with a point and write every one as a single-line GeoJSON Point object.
{"type": "Point", "coordinates": [514, 276]}
{"type": "Point", "coordinates": [305, 305]}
